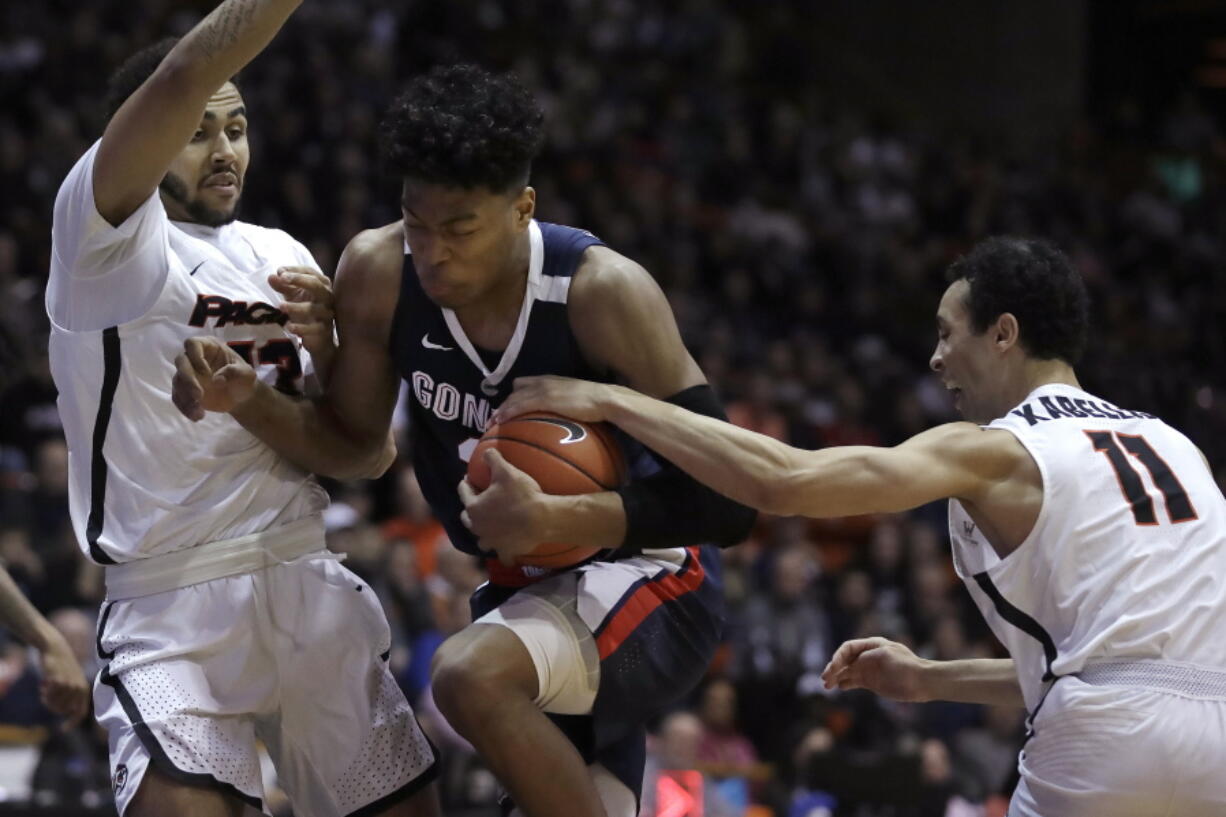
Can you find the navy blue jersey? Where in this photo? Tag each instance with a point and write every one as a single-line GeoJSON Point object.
{"type": "Point", "coordinates": [455, 386]}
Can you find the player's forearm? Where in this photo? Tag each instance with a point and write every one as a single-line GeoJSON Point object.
{"type": "Point", "coordinates": [310, 435]}
{"type": "Point", "coordinates": [737, 463]}
{"type": "Point", "coordinates": [595, 520]}
{"type": "Point", "coordinates": [19, 615]}
{"type": "Point", "coordinates": [226, 40]}
{"type": "Point", "coordinates": [990, 681]}
{"type": "Point", "coordinates": [154, 124]}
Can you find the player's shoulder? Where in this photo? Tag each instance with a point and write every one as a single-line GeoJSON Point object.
{"type": "Point", "coordinates": [375, 251]}
{"type": "Point", "coordinates": [368, 273]}
{"type": "Point", "coordinates": [606, 278]}
{"type": "Point", "coordinates": [275, 242]}
{"type": "Point", "coordinates": [984, 449]}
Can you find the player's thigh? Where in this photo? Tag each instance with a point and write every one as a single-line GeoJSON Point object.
{"type": "Point", "coordinates": [344, 739]}
{"type": "Point", "coordinates": [159, 795]}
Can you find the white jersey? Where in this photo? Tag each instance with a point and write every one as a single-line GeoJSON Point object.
{"type": "Point", "coordinates": [145, 480]}
{"type": "Point", "coordinates": [1127, 559]}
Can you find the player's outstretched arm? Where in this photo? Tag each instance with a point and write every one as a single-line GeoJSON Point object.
{"type": "Point", "coordinates": [893, 671]}
{"type": "Point", "coordinates": [64, 690]}
{"type": "Point", "coordinates": [624, 325]}
{"type": "Point", "coordinates": [154, 124]}
{"type": "Point", "coordinates": [346, 433]}
{"type": "Point", "coordinates": [953, 460]}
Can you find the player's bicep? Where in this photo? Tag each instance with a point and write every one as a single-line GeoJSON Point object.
{"type": "Point", "coordinates": [623, 323]}
{"type": "Point", "coordinates": [363, 384]}
{"type": "Point", "coordinates": [852, 480]}
{"type": "Point", "coordinates": [151, 127]}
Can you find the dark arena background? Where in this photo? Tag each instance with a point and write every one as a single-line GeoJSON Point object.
{"type": "Point", "coordinates": [797, 174]}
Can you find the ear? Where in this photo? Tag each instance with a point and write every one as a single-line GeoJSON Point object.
{"type": "Point", "coordinates": [1006, 333]}
{"type": "Point", "coordinates": [525, 207]}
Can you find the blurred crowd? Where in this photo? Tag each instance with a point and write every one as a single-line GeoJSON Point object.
{"type": "Point", "coordinates": [802, 247]}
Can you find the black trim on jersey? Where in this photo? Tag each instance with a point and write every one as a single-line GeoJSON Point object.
{"type": "Point", "coordinates": [1030, 718]}
{"type": "Point", "coordinates": [408, 789]}
{"type": "Point", "coordinates": [111, 362]}
{"type": "Point", "coordinates": [106, 614]}
{"type": "Point", "coordinates": [1020, 620]}
{"type": "Point", "coordinates": [157, 754]}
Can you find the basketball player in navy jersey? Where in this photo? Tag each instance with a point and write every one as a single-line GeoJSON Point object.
{"type": "Point", "coordinates": [554, 680]}
{"type": "Point", "coordinates": [1092, 538]}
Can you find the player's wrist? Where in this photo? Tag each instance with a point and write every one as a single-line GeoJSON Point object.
{"type": "Point", "coordinates": [45, 638]}
{"type": "Point", "coordinates": [245, 406]}
{"type": "Point", "coordinates": [927, 679]}
{"type": "Point", "coordinates": [615, 403]}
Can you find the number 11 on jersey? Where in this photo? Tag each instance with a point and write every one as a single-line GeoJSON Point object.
{"type": "Point", "coordinates": [1113, 445]}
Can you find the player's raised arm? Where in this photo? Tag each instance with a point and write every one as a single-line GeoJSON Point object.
{"type": "Point", "coordinates": [159, 118]}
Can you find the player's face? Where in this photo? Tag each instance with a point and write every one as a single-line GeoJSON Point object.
{"type": "Point", "coordinates": [964, 360]}
{"type": "Point", "coordinates": [465, 243]}
{"type": "Point", "coordinates": [205, 181]}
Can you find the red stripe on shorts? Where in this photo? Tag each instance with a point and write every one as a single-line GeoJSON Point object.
{"type": "Point", "coordinates": [646, 598]}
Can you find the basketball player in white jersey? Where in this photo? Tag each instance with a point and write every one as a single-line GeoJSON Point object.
{"type": "Point", "coordinates": [1092, 537]}
{"type": "Point", "coordinates": [227, 621]}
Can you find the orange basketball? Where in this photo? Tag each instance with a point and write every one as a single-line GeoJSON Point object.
{"type": "Point", "coordinates": [564, 456]}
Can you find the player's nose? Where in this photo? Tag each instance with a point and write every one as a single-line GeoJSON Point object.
{"type": "Point", "coordinates": [223, 150]}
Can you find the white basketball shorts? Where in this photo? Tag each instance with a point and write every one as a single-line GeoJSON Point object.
{"type": "Point", "coordinates": [1150, 742]}
{"type": "Point", "coordinates": [293, 655]}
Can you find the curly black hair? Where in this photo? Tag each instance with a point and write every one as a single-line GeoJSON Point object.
{"type": "Point", "coordinates": [1034, 281]}
{"type": "Point", "coordinates": [461, 126]}
{"type": "Point", "coordinates": [134, 71]}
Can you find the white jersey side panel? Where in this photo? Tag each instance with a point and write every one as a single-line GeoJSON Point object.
{"type": "Point", "coordinates": [144, 480]}
{"type": "Point", "coordinates": [1128, 556]}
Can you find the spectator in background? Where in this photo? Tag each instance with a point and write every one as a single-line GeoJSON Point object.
{"type": "Point", "coordinates": [785, 637]}
{"type": "Point", "coordinates": [725, 754]}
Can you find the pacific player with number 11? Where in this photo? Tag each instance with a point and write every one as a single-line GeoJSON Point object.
{"type": "Point", "coordinates": [1092, 538]}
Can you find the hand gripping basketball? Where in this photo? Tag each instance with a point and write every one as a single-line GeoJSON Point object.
{"type": "Point", "coordinates": [537, 453]}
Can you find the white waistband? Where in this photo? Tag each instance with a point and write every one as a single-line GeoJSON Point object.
{"type": "Point", "coordinates": [215, 560]}
{"type": "Point", "coordinates": [1185, 679]}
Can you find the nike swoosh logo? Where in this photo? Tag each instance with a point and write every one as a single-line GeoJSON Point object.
{"type": "Point", "coordinates": [425, 341]}
{"type": "Point", "coordinates": [574, 431]}
{"type": "Point", "coordinates": [198, 266]}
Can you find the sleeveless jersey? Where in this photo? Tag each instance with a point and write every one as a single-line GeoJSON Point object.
{"type": "Point", "coordinates": [145, 480]}
{"type": "Point", "coordinates": [1127, 559]}
{"type": "Point", "coordinates": [455, 386]}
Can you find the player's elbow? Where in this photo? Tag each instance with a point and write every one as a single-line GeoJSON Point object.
{"type": "Point", "coordinates": [361, 462]}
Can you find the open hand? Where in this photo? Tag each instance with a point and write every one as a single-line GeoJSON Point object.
{"type": "Point", "coordinates": [210, 376]}
{"type": "Point", "coordinates": [308, 304]}
{"type": "Point", "coordinates": [576, 399]}
{"type": "Point", "coordinates": [877, 664]}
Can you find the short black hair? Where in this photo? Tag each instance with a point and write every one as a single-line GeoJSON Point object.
{"type": "Point", "coordinates": [1034, 281]}
{"type": "Point", "coordinates": [462, 126]}
{"type": "Point", "coordinates": [134, 71]}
